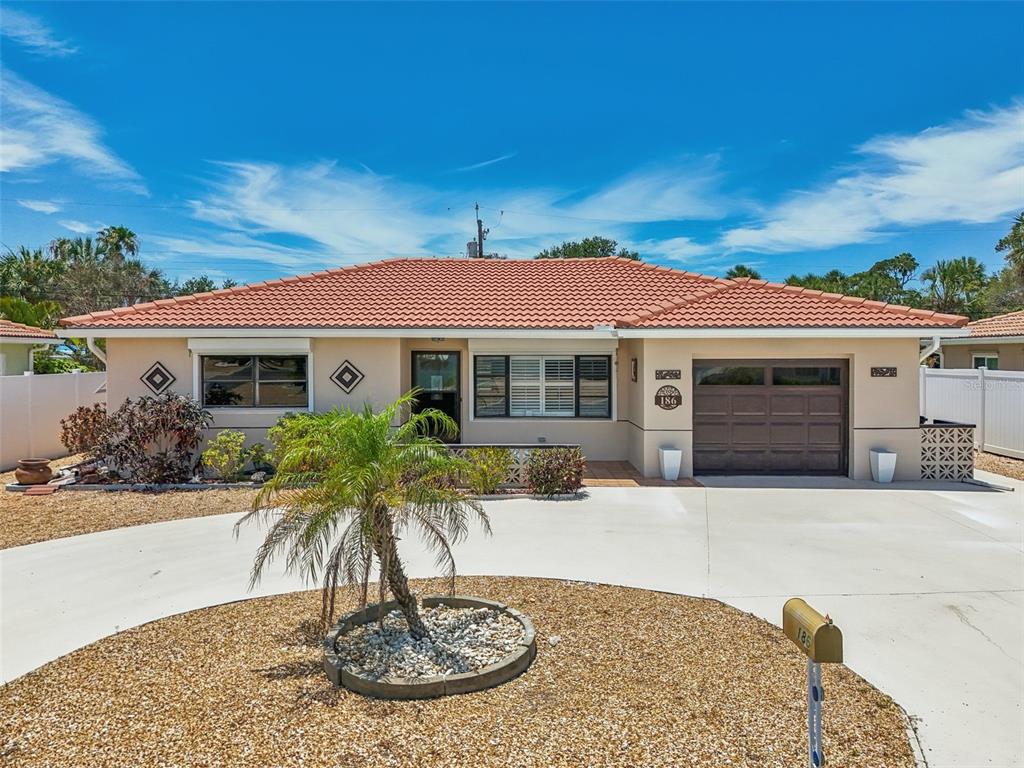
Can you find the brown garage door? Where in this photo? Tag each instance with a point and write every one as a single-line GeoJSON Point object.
{"type": "Point", "coordinates": [770, 417]}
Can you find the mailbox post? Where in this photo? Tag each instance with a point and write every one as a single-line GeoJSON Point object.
{"type": "Point", "coordinates": [822, 642]}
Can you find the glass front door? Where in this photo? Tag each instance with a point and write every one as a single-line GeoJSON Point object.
{"type": "Point", "coordinates": [437, 375]}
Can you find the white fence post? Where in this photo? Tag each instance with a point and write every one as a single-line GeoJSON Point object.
{"type": "Point", "coordinates": [979, 430]}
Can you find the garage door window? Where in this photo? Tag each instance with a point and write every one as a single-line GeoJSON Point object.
{"type": "Point", "coordinates": [730, 376]}
{"type": "Point", "coordinates": [806, 376]}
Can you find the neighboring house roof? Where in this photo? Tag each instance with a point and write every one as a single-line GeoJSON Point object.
{"type": "Point", "coordinates": [1010, 324]}
{"type": "Point", "coordinates": [511, 294]}
{"type": "Point", "coordinates": [16, 332]}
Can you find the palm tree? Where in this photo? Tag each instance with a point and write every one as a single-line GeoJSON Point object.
{"type": "Point", "coordinates": [1013, 245]}
{"type": "Point", "coordinates": [742, 270]}
{"type": "Point", "coordinates": [956, 285]}
{"type": "Point", "coordinates": [348, 484]}
{"type": "Point", "coordinates": [115, 242]}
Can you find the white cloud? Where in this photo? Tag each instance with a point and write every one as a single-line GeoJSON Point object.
{"type": "Point", "coordinates": [681, 249]}
{"type": "Point", "coordinates": [42, 206]}
{"type": "Point", "coordinates": [79, 227]}
{"type": "Point", "coordinates": [970, 172]}
{"type": "Point", "coordinates": [39, 128]}
{"type": "Point", "coordinates": [30, 32]}
{"type": "Point", "coordinates": [351, 215]}
{"type": "Point", "coordinates": [486, 163]}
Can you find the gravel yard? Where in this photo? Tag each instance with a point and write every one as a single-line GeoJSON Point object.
{"type": "Point", "coordinates": [637, 678]}
{"type": "Point", "coordinates": [27, 519]}
{"type": "Point", "coordinates": [1001, 465]}
{"type": "Point", "coordinates": [461, 640]}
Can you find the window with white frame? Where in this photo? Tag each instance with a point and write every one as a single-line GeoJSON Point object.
{"type": "Point", "coordinates": [989, 360]}
{"type": "Point", "coordinates": [548, 386]}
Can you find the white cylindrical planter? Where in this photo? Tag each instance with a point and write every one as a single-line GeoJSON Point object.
{"type": "Point", "coordinates": [670, 460]}
{"type": "Point", "coordinates": [883, 465]}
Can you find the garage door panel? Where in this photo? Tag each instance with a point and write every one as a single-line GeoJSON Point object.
{"type": "Point", "coordinates": [825, 405]}
{"type": "Point", "coordinates": [826, 461]}
{"type": "Point", "coordinates": [749, 405]}
{"type": "Point", "coordinates": [711, 405]}
{"type": "Point", "coordinates": [750, 434]}
{"type": "Point", "coordinates": [712, 433]}
{"type": "Point", "coordinates": [788, 422]}
{"type": "Point", "coordinates": [825, 434]}
{"type": "Point", "coordinates": [788, 405]}
{"type": "Point", "coordinates": [793, 433]}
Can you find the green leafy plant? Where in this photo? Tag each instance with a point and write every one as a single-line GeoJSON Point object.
{"type": "Point", "coordinates": [551, 471]}
{"type": "Point", "coordinates": [225, 454]}
{"type": "Point", "coordinates": [258, 457]}
{"type": "Point", "coordinates": [348, 484]}
{"type": "Point", "coordinates": [85, 429]}
{"type": "Point", "coordinates": [489, 467]}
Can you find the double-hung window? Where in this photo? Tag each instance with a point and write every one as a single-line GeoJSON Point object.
{"type": "Point", "coordinates": [254, 381]}
{"type": "Point", "coordinates": [548, 386]}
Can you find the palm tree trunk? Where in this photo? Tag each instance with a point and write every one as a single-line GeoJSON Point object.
{"type": "Point", "coordinates": [387, 555]}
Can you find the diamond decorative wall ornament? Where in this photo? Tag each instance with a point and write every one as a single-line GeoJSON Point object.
{"type": "Point", "coordinates": [157, 378]}
{"type": "Point", "coordinates": [347, 377]}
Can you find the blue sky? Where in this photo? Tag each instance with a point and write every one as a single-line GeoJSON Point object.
{"type": "Point", "coordinates": [257, 140]}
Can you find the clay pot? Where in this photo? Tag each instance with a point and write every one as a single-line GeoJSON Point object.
{"type": "Point", "coordinates": [33, 471]}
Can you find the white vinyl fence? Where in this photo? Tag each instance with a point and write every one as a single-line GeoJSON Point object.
{"type": "Point", "coordinates": [31, 408]}
{"type": "Point", "coordinates": [991, 400]}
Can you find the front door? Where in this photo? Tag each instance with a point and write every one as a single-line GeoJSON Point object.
{"type": "Point", "coordinates": [437, 374]}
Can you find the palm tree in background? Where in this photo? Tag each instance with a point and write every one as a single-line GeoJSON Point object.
{"type": "Point", "coordinates": [117, 242]}
{"type": "Point", "coordinates": [742, 270]}
{"type": "Point", "coordinates": [956, 286]}
{"type": "Point", "coordinates": [348, 485]}
{"type": "Point", "coordinates": [1012, 246]}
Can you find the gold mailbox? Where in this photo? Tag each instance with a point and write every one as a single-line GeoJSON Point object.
{"type": "Point", "coordinates": [813, 633]}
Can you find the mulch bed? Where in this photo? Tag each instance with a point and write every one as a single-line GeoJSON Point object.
{"type": "Point", "coordinates": [1001, 465]}
{"type": "Point", "coordinates": [638, 679]}
{"type": "Point", "coordinates": [28, 519]}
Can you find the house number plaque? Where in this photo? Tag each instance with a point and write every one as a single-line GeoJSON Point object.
{"type": "Point", "coordinates": [673, 373]}
{"type": "Point", "coordinates": [885, 373]}
{"type": "Point", "coordinates": [668, 398]}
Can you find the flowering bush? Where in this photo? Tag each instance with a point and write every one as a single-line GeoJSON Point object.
{"type": "Point", "coordinates": [225, 454]}
{"type": "Point", "coordinates": [551, 471]}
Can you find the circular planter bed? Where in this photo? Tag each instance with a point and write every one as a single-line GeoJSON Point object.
{"type": "Point", "coordinates": [476, 644]}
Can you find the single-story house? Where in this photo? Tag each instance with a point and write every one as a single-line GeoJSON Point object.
{"type": "Point", "coordinates": [620, 357]}
{"type": "Point", "coordinates": [17, 342]}
{"type": "Point", "coordinates": [996, 343]}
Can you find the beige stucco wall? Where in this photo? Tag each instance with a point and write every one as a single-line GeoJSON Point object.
{"type": "Point", "coordinates": [1011, 356]}
{"type": "Point", "coordinates": [15, 358]}
{"type": "Point", "coordinates": [883, 411]}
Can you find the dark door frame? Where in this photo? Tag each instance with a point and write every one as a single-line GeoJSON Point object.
{"type": "Point", "coordinates": [458, 377]}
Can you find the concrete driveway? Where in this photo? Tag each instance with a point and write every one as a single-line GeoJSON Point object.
{"type": "Point", "coordinates": [927, 584]}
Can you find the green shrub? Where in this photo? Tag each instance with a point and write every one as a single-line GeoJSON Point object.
{"type": "Point", "coordinates": [258, 458]}
{"type": "Point", "coordinates": [488, 470]}
{"type": "Point", "coordinates": [551, 471]}
{"type": "Point", "coordinates": [225, 454]}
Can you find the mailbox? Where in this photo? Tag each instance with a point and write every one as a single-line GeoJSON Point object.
{"type": "Point", "coordinates": [815, 634]}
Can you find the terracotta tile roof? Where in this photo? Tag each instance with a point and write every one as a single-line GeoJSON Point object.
{"type": "Point", "coordinates": [484, 293]}
{"type": "Point", "coordinates": [1010, 324]}
{"type": "Point", "coordinates": [9, 330]}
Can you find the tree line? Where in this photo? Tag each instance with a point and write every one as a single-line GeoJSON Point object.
{"type": "Point", "coordinates": [959, 286]}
